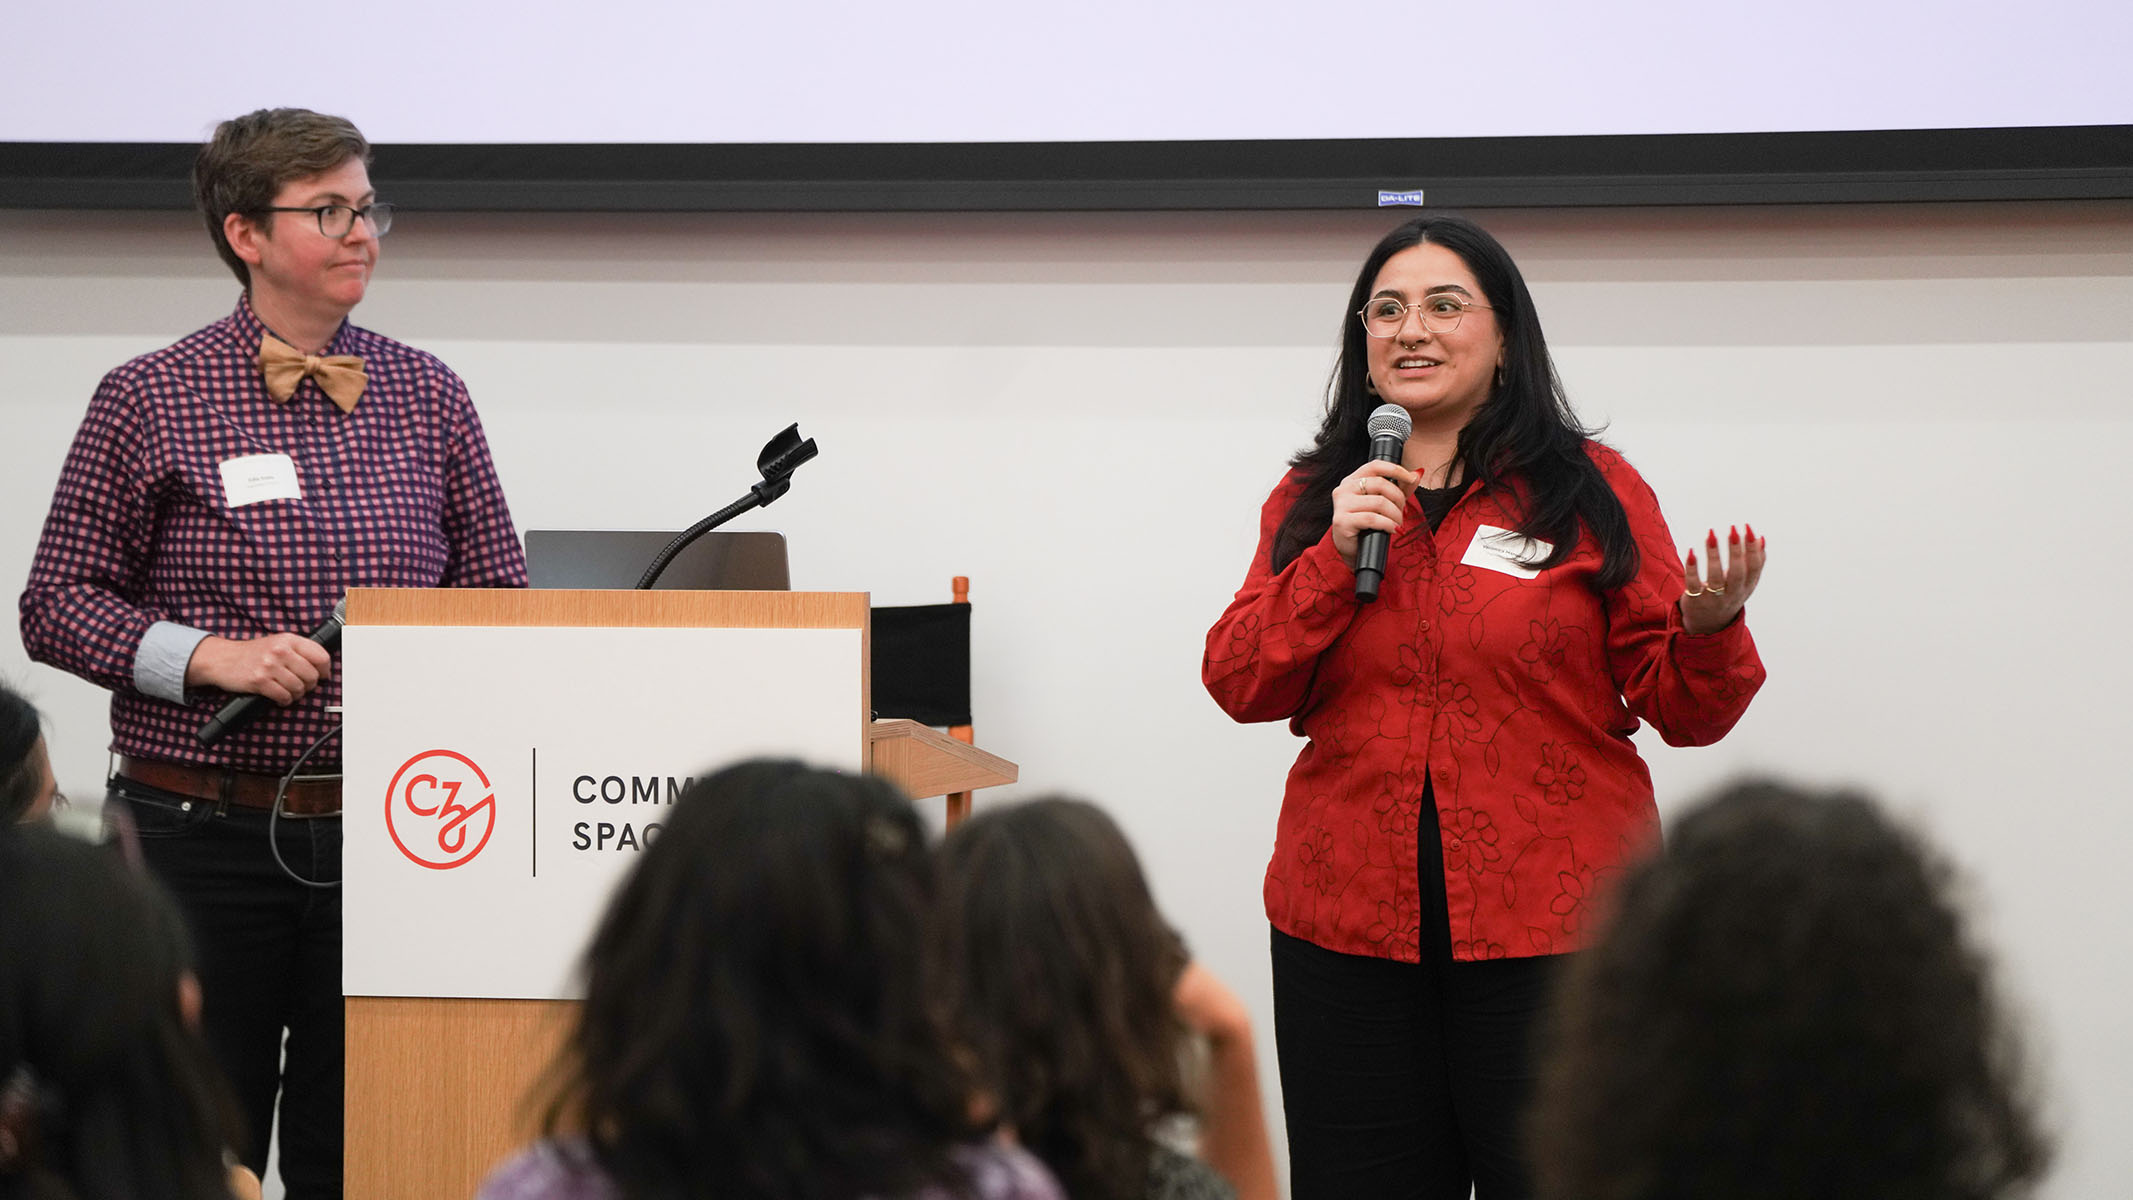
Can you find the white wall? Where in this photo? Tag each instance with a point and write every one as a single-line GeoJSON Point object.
{"type": "Point", "coordinates": [1926, 409]}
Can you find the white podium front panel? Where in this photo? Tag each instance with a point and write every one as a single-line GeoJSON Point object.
{"type": "Point", "coordinates": [501, 781]}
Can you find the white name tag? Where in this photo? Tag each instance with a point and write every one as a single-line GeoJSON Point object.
{"type": "Point", "coordinates": [1505, 551]}
{"type": "Point", "coordinates": [257, 477]}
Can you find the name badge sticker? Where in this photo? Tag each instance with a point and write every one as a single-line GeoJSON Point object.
{"type": "Point", "coordinates": [256, 477]}
{"type": "Point", "coordinates": [1498, 549]}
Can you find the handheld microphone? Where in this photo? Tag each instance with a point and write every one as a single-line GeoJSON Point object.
{"type": "Point", "coordinates": [1389, 427]}
{"type": "Point", "coordinates": [243, 710]}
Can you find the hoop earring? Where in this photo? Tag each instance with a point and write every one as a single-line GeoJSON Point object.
{"type": "Point", "coordinates": [1370, 385]}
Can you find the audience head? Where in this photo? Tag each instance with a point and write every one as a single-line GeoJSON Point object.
{"type": "Point", "coordinates": [26, 784]}
{"type": "Point", "coordinates": [1058, 974]}
{"type": "Point", "coordinates": [1785, 1004]}
{"type": "Point", "coordinates": [755, 1020]}
{"type": "Point", "coordinates": [106, 1090]}
{"type": "Point", "coordinates": [251, 158]}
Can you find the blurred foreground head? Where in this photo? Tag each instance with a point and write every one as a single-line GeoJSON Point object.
{"type": "Point", "coordinates": [1785, 1004]}
{"type": "Point", "coordinates": [1058, 974]}
{"type": "Point", "coordinates": [26, 786]}
{"type": "Point", "coordinates": [106, 1090]}
{"type": "Point", "coordinates": [755, 1020]}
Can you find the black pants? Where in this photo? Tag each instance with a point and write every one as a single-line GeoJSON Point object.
{"type": "Point", "coordinates": [1407, 1080]}
{"type": "Point", "coordinates": [268, 953]}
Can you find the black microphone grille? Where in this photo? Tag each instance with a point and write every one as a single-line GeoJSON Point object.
{"type": "Point", "coordinates": [1390, 420]}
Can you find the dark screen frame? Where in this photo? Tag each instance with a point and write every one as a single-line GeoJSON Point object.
{"type": "Point", "coordinates": [2056, 163]}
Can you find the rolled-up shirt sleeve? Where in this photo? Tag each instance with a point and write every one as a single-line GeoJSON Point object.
{"type": "Point", "coordinates": [159, 665]}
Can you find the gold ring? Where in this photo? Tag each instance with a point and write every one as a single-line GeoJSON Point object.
{"type": "Point", "coordinates": [1714, 589]}
{"type": "Point", "coordinates": [1697, 592]}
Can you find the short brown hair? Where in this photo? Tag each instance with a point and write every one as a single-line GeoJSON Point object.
{"type": "Point", "coordinates": [251, 158]}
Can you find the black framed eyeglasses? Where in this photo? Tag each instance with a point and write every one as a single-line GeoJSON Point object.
{"type": "Point", "coordinates": [335, 220]}
{"type": "Point", "coordinates": [1441, 313]}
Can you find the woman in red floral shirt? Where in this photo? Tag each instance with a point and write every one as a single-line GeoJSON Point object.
{"type": "Point", "coordinates": [1469, 783]}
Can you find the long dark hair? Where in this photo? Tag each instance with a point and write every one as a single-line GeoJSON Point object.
{"type": "Point", "coordinates": [1058, 974]}
{"type": "Point", "coordinates": [106, 1092]}
{"type": "Point", "coordinates": [20, 778]}
{"type": "Point", "coordinates": [1525, 430]}
{"type": "Point", "coordinates": [755, 1022]}
{"type": "Point", "coordinates": [1784, 1005]}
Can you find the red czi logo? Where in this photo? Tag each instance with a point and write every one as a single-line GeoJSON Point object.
{"type": "Point", "coordinates": [432, 812]}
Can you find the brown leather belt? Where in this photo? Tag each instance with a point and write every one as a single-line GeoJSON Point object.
{"type": "Point", "coordinates": [305, 798]}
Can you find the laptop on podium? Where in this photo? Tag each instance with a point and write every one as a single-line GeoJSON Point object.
{"type": "Point", "coordinates": [616, 558]}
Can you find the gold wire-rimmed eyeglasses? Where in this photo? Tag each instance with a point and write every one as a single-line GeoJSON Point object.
{"type": "Point", "coordinates": [1384, 316]}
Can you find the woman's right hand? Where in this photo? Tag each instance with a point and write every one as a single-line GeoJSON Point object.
{"type": "Point", "coordinates": [1375, 497]}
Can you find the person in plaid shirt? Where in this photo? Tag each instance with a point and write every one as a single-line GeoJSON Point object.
{"type": "Point", "coordinates": [221, 496]}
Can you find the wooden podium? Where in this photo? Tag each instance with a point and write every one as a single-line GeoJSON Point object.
{"type": "Point", "coordinates": [440, 1088]}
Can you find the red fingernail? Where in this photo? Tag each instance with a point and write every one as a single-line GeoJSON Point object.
{"type": "Point", "coordinates": [1713, 537]}
{"type": "Point", "coordinates": [1733, 533]}
{"type": "Point", "coordinates": [1692, 560]}
{"type": "Point", "coordinates": [1751, 533]}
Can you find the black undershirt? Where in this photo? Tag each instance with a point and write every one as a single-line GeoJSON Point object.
{"type": "Point", "coordinates": [1436, 910]}
{"type": "Point", "coordinates": [1437, 502]}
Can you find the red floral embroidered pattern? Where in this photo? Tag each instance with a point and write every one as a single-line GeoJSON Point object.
{"type": "Point", "coordinates": [1513, 697]}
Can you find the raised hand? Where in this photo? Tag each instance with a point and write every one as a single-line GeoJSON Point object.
{"type": "Point", "coordinates": [1719, 588]}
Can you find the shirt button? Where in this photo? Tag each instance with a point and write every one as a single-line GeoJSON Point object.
{"type": "Point", "coordinates": [1425, 626]}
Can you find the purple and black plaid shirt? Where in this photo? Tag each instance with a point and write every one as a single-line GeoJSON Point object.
{"type": "Point", "coordinates": [398, 493]}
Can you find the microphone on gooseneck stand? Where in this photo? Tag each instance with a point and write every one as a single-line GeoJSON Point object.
{"type": "Point", "coordinates": [781, 456]}
{"type": "Point", "coordinates": [1389, 427]}
{"type": "Point", "coordinates": [245, 709]}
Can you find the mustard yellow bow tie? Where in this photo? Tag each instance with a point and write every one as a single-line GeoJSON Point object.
{"type": "Point", "coordinates": [341, 376]}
